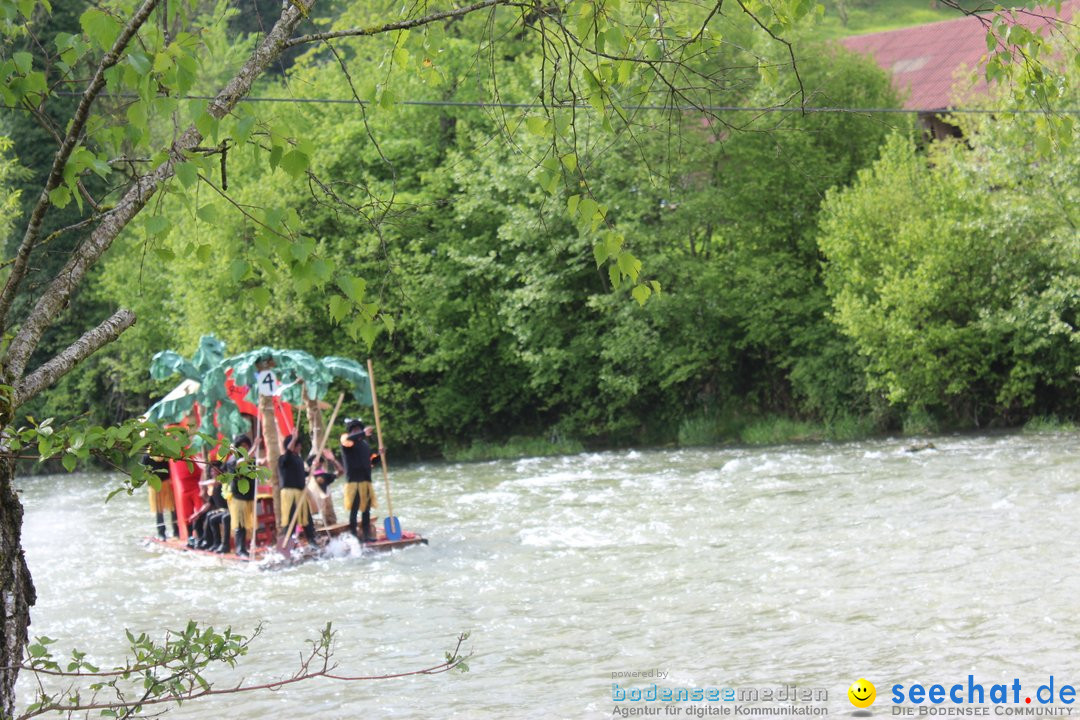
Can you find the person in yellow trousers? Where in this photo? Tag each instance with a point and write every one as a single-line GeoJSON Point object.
{"type": "Point", "coordinates": [241, 504]}
{"type": "Point", "coordinates": [359, 492]}
{"type": "Point", "coordinates": [161, 500]}
{"type": "Point", "coordinates": [293, 476]}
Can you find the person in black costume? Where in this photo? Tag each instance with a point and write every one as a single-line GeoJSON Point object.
{"type": "Point", "coordinates": [199, 531]}
{"type": "Point", "coordinates": [161, 500]}
{"type": "Point", "coordinates": [242, 503]}
{"type": "Point", "coordinates": [359, 493]}
{"type": "Point", "coordinates": [293, 476]}
{"type": "Point", "coordinates": [214, 534]}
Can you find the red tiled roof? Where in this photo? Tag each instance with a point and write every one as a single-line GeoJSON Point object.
{"type": "Point", "coordinates": [925, 60]}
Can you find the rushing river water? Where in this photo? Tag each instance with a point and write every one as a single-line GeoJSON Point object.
{"type": "Point", "coordinates": [804, 565]}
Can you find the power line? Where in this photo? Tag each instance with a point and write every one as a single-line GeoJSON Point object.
{"type": "Point", "coordinates": [646, 108]}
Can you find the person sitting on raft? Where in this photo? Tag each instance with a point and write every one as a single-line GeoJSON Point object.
{"type": "Point", "coordinates": [213, 527]}
{"type": "Point", "coordinates": [359, 494]}
{"type": "Point", "coordinates": [242, 503]}
{"type": "Point", "coordinates": [199, 531]}
{"type": "Point", "coordinates": [293, 477]}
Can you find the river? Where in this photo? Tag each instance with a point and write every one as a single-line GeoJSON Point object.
{"type": "Point", "coordinates": [806, 565]}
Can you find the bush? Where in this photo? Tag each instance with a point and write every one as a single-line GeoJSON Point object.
{"type": "Point", "coordinates": [1048, 424]}
{"type": "Point", "coordinates": [513, 448]}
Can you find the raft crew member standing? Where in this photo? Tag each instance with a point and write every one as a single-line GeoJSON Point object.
{"type": "Point", "coordinates": [293, 476]}
{"type": "Point", "coordinates": [241, 504]}
{"type": "Point", "coordinates": [162, 498]}
{"type": "Point", "coordinates": [359, 494]}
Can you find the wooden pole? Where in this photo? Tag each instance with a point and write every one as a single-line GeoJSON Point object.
{"type": "Point", "coordinates": [255, 495]}
{"type": "Point", "coordinates": [378, 433]}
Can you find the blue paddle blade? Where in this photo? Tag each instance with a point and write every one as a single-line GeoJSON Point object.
{"type": "Point", "coordinates": [392, 528]}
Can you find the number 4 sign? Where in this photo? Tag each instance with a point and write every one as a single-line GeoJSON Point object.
{"type": "Point", "coordinates": [267, 382]}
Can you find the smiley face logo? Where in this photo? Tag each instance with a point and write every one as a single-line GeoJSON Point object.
{"type": "Point", "coordinates": [862, 693]}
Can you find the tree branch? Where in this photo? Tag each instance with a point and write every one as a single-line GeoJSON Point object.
{"type": "Point", "coordinates": [139, 193]}
{"type": "Point", "coordinates": [401, 25]}
{"type": "Point", "coordinates": [63, 154]}
{"type": "Point", "coordinates": [303, 674]}
{"type": "Point", "coordinates": [84, 347]}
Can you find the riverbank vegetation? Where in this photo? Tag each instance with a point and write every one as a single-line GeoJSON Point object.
{"type": "Point", "coordinates": [810, 276]}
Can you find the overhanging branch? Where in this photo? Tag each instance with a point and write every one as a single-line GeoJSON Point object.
{"type": "Point", "coordinates": [56, 295]}
{"type": "Point", "coordinates": [63, 154]}
{"type": "Point", "coordinates": [400, 25]}
{"type": "Point", "coordinates": [75, 353]}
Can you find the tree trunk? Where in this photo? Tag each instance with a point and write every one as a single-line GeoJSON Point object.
{"type": "Point", "coordinates": [18, 588]}
{"type": "Point", "coordinates": [273, 449]}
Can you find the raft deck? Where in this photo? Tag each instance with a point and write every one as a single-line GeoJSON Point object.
{"type": "Point", "coordinates": [300, 552]}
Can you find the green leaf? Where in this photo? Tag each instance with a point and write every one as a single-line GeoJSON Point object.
{"type": "Point", "coordinates": [353, 287]}
{"type": "Point", "coordinates": [238, 270]}
{"type": "Point", "coordinates": [538, 125]}
{"type": "Point", "coordinates": [207, 213]}
{"type": "Point", "coordinates": [339, 308]}
{"type": "Point", "coordinates": [207, 124]}
{"type": "Point", "coordinates": [244, 126]}
{"type": "Point", "coordinates": [641, 293]}
{"type": "Point", "coordinates": [188, 173]}
{"type": "Point", "coordinates": [140, 62]}
{"type": "Point", "coordinates": [100, 27]}
{"type": "Point", "coordinates": [60, 196]}
{"type": "Point", "coordinates": [260, 296]}
{"type": "Point", "coordinates": [629, 265]}
{"type": "Point", "coordinates": [368, 332]}
{"type": "Point", "coordinates": [68, 461]}
{"type": "Point", "coordinates": [387, 99]}
{"type": "Point", "coordinates": [587, 210]}
{"type": "Point", "coordinates": [23, 62]}
{"type": "Point", "coordinates": [600, 252]}
{"type": "Point", "coordinates": [136, 114]}
{"type": "Point", "coordinates": [294, 163]}
{"type": "Point", "coordinates": [156, 224]}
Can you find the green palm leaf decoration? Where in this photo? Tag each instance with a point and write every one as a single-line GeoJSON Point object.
{"type": "Point", "coordinates": [205, 376]}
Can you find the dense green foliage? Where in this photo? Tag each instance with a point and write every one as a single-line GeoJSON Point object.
{"type": "Point", "coordinates": [502, 323]}
{"type": "Point", "coordinates": [501, 316]}
{"type": "Point", "coordinates": [956, 270]}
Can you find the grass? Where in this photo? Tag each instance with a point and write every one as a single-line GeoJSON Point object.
{"type": "Point", "coordinates": [714, 429]}
{"type": "Point", "coordinates": [513, 448]}
{"type": "Point", "coordinates": [1048, 424]}
{"type": "Point", "coordinates": [869, 17]}
{"type": "Point", "coordinates": [779, 430]}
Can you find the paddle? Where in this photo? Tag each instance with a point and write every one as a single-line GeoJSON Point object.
{"type": "Point", "coordinates": [285, 546]}
{"type": "Point", "coordinates": [390, 524]}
